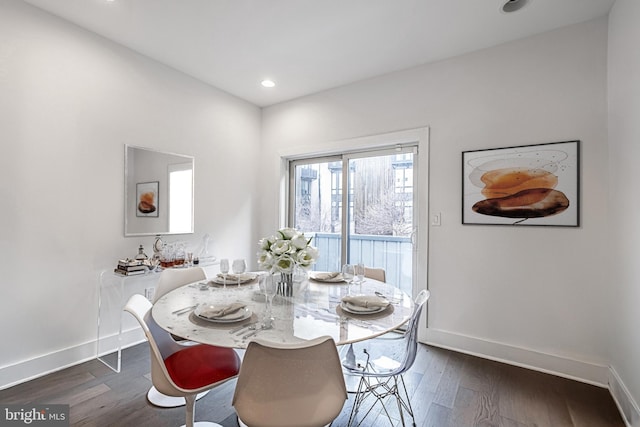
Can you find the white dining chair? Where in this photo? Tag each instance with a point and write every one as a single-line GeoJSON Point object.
{"type": "Point", "coordinates": [183, 371]}
{"type": "Point", "coordinates": [375, 273]}
{"type": "Point", "coordinates": [173, 278]}
{"type": "Point", "coordinates": [290, 385]}
{"type": "Point", "coordinates": [170, 279]}
{"type": "Point", "coordinates": [381, 374]}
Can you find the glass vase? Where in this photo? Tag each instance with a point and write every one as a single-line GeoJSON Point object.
{"type": "Point", "coordinates": [285, 285]}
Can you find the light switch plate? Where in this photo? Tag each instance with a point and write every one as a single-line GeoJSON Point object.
{"type": "Point", "coordinates": [436, 219]}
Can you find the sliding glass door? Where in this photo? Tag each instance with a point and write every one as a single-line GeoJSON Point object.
{"type": "Point", "coordinates": [359, 207]}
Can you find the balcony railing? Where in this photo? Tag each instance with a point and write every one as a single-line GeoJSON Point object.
{"type": "Point", "coordinates": [392, 253]}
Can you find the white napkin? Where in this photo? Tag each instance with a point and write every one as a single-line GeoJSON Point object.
{"type": "Point", "coordinates": [364, 303]}
{"type": "Point", "coordinates": [236, 277]}
{"type": "Point", "coordinates": [219, 311]}
{"type": "Point", "coordinates": [326, 276]}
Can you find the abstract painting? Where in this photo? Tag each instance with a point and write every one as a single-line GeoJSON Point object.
{"type": "Point", "coordinates": [147, 199]}
{"type": "Point", "coordinates": [525, 185]}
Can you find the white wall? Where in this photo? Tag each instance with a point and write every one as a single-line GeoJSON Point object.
{"type": "Point", "coordinates": [624, 153]}
{"type": "Point", "coordinates": [532, 296]}
{"type": "Point", "coordinates": [69, 101]}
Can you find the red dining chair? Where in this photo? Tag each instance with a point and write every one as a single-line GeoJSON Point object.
{"type": "Point", "coordinates": [183, 371]}
{"type": "Point", "coordinates": [170, 279]}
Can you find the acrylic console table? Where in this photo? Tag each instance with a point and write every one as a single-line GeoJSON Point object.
{"type": "Point", "coordinates": [117, 329]}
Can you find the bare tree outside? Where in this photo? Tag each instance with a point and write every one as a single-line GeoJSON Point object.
{"type": "Point", "coordinates": [380, 206]}
{"type": "Point", "coordinates": [379, 211]}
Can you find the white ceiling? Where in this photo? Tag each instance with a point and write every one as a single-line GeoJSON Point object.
{"type": "Point", "coordinates": [307, 46]}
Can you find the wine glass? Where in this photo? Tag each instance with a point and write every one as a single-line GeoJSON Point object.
{"type": "Point", "coordinates": [224, 269]}
{"type": "Point", "coordinates": [348, 272]}
{"type": "Point", "coordinates": [270, 287]}
{"type": "Point", "coordinates": [360, 272]}
{"type": "Point", "coordinates": [239, 266]}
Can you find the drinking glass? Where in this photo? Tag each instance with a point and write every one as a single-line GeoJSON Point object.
{"type": "Point", "coordinates": [269, 286]}
{"type": "Point", "coordinates": [224, 269]}
{"type": "Point", "coordinates": [360, 272]}
{"type": "Point", "coordinates": [348, 272]}
{"type": "Point", "coordinates": [239, 266]}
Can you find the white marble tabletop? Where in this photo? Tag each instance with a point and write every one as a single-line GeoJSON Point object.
{"type": "Point", "coordinates": [313, 310]}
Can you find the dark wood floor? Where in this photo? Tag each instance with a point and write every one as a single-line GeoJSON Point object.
{"type": "Point", "coordinates": [448, 389]}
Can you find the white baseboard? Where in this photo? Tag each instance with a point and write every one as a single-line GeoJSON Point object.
{"type": "Point", "coordinates": [590, 373]}
{"type": "Point", "coordinates": [625, 402]}
{"type": "Point", "coordinates": [27, 370]}
{"type": "Point", "coordinates": [586, 372]}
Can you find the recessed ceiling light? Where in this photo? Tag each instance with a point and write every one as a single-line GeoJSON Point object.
{"type": "Point", "coordinates": [514, 5]}
{"type": "Point", "coordinates": [268, 83]}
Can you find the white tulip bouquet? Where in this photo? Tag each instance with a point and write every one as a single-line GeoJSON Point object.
{"type": "Point", "coordinates": [285, 250]}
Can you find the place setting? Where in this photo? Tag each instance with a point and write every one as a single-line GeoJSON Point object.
{"type": "Point", "coordinates": [327, 277]}
{"type": "Point", "coordinates": [369, 306]}
{"type": "Point", "coordinates": [232, 279]}
{"type": "Point", "coordinates": [348, 273]}
{"type": "Point", "coordinates": [237, 277]}
{"type": "Point", "coordinates": [218, 314]}
{"type": "Point", "coordinates": [267, 289]}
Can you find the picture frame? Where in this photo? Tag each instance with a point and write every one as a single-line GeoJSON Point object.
{"type": "Point", "coordinates": [527, 185]}
{"type": "Point", "coordinates": [147, 199]}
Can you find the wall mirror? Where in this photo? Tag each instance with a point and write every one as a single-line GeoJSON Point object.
{"type": "Point", "coordinates": [158, 192]}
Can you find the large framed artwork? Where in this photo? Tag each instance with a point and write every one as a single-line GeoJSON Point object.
{"type": "Point", "coordinates": [526, 185]}
{"type": "Point", "coordinates": [147, 199]}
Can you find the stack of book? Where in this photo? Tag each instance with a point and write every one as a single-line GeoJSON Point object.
{"type": "Point", "coordinates": [130, 267]}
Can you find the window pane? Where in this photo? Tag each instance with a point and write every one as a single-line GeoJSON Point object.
{"type": "Point", "coordinates": [379, 211]}
{"type": "Point", "coordinates": [381, 218]}
{"type": "Point", "coordinates": [318, 209]}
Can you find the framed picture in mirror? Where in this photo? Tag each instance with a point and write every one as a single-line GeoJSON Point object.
{"type": "Point", "coordinates": [147, 199]}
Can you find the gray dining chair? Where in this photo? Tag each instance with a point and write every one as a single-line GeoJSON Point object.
{"type": "Point", "coordinates": [381, 373]}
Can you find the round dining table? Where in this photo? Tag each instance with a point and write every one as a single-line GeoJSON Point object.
{"type": "Point", "coordinates": [314, 309]}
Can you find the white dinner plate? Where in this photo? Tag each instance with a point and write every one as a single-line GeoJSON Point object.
{"type": "Point", "coordinates": [350, 308]}
{"type": "Point", "coordinates": [244, 278]}
{"type": "Point", "coordinates": [318, 277]}
{"type": "Point", "coordinates": [236, 316]}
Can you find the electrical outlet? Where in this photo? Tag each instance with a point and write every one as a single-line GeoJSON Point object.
{"type": "Point", "coordinates": [149, 293]}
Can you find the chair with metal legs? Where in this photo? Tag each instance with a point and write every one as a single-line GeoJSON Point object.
{"type": "Point", "coordinates": [183, 371]}
{"type": "Point", "coordinates": [381, 373]}
{"type": "Point", "coordinates": [346, 352]}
